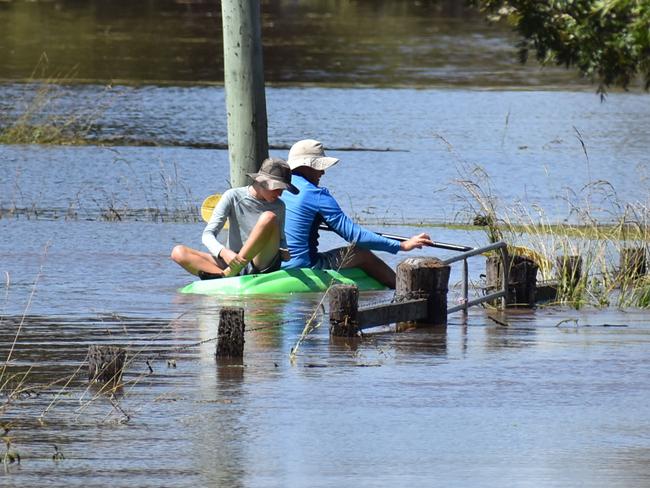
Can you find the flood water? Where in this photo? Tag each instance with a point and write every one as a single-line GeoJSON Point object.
{"type": "Point", "coordinates": [555, 398]}
{"type": "Point", "coordinates": [369, 42]}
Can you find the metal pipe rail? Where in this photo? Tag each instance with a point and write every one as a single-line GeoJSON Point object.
{"type": "Point", "coordinates": [503, 294]}
{"type": "Point", "coordinates": [475, 251]}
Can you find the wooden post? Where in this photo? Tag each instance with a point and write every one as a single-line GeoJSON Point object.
{"type": "Point", "coordinates": [244, 85]}
{"type": "Point", "coordinates": [230, 336]}
{"type": "Point", "coordinates": [425, 278]}
{"type": "Point", "coordinates": [344, 305]}
{"type": "Point", "coordinates": [632, 263]}
{"type": "Point", "coordinates": [522, 279]}
{"type": "Point", "coordinates": [569, 272]}
{"type": "Point", "coordinates": [106, 363]}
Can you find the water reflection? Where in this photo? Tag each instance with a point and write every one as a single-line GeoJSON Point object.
{"type": "Point", "coordinates": [225, 461]}
{"type": "Point", "coordinates": [430, 340]}
{"type": "Point", "coordinates": [208, 422]}
{"type": "Point", "coordinates": [378, 42]}
{"type": "Point", "coordinates": [270, 327]}
{"type": "Point", "coordinates": [272, 322]}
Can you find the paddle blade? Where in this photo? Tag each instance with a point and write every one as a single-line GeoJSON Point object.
{"type": "Point", "coordinates": [207, 207]}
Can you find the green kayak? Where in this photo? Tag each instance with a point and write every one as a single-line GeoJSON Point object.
{"type": "Point", "coordinates": [301, 280]}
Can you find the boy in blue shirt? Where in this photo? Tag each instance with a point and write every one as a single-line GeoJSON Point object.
{"type": "Point", "coordinates": [314, 205]}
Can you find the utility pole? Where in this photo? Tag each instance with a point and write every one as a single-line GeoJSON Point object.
{"type": "Point", "coordinates": [244, 85]}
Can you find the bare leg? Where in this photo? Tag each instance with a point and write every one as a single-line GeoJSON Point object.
{"type": "Point", "coordinates": [195, 261]}
{"type": "Point", "coordinates": [260, 247]}
{"type": "Point", "coordinates": [356, 257]}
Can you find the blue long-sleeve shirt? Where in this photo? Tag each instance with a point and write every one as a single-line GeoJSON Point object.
{"type": "Point", "coordinates": [313, 206]}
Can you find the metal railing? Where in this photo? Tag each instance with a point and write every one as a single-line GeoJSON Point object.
{"type": "Point", "coordinates": [503, 294]}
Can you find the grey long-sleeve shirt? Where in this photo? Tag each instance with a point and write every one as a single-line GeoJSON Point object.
{"type": "Point", "coordinates": [241, 210]}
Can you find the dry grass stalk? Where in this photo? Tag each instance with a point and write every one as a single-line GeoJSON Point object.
{"type": "Point", "coordinates": [530, 232]}
{"type": "Point", "coordinates": [312, 323]}
{"type": "Point", "coordinates": [36, 124]}
{"type": "Point", "coordinates": [599, 227]}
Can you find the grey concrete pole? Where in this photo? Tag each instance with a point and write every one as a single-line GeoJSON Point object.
{"type": "Point", "coordinates": [244, 84]}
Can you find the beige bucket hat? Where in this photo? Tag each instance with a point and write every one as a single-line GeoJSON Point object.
{"type": "Point", "coordinates": [309, 152]}
{"type": "Point", "coordinates": [275, 174]}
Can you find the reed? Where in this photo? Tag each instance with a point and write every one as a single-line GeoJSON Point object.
{"type": "Point", "coordinates": [529, 232]}
{"type": "Point", "coordinates": [12, 384]}
{"type": "Point", "coordinates": [36, 123]}
{"type": "Point", "coordinates": [315, 319]}
{"type": "Point", "coordinates": [599, 228]}
{"type": "Point", "coordinates": [10, 455]}
{"type": "Point", "coordinates": [167, 197]}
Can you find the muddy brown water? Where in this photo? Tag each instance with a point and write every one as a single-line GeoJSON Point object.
{"type": "Point", "coordinates": [532, 403]}
{"type": "Point", "coordinates": [558, 397]}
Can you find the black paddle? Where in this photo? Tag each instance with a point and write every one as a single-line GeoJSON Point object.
{"type": "Point", "coordinates": [439, 245]}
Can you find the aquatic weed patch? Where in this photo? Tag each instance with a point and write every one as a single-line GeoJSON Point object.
{"type": "Point", "coordinates": [42, 115]}
{"type": "Point", "coordinates": [160, 194]}
{"type": "Point", "coordinates": [599, 231]}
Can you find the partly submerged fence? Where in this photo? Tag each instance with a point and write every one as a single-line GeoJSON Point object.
{"type": "Point", "coordinates": [502, 247]}
{"type": "Point", "coordinates": [420, 294]}
{"type": "Point", "coordinates": [420, 298]}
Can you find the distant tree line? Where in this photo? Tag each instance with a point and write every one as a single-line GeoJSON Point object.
{"type": "Point", "coordinates": [608, 41]}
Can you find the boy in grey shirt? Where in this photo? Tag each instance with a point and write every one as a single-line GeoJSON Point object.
{"type": "Point", "coordinates": [255, 214]}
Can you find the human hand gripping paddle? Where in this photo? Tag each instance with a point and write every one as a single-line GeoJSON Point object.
{"type": "Point", "coordinates": [407, 243]}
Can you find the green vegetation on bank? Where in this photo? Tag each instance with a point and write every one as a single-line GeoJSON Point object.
{"type": "Point", "coordinates": [607, 41]}
{"type": "Point", "coordinates": [40, 134]}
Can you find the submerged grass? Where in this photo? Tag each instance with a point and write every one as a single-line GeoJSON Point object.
{"type": "Point", "coordinates": [37, 121]}
{"type": "Point", "coordinates": [600, 231]}
{"type": "Point", "coordinates": [19, 389]}
{"type": "Point", "coordinates": [166, 197]}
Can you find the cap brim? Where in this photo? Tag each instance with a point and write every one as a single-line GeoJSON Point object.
{"type": "Point", "coordinates": [271, 184]}
{"type": "Point", "coordinates": [319, 163]}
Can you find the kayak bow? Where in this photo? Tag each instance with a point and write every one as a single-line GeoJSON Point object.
{"type": "Point", "coordinates": [303, 280]}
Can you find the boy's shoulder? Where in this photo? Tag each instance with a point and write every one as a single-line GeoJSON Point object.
{"type": "Point", "coordinates": [308, 188]}
{"type": "Point", "coordinates": [235, 194]}
{"type": "Point", "coordinates": [236, 191]}
{"type": "Point", "coordinates": [321, 192]}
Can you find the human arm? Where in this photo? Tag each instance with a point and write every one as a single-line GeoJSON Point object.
{"type": "Point", "coordinates": [416, 242]}
{"type": "Point", "coordinates": [283, 248]}
{"type": "Point", "coordinates": [352, 232]}
{"type": "Point", "coordinates": [215, 224]}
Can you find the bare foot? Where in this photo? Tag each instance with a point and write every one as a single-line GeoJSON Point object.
{"type": "Point", "coordinates": [233, 270]}
{"type": "Point", "coordinates": [235, 266]}
{"type": "Point", "coordinates": [205, 275]}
